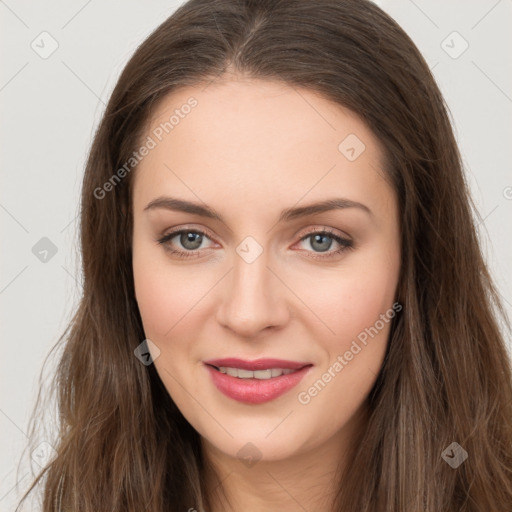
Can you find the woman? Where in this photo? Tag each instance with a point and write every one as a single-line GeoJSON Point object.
{"type": "Point", "coordinates": [285, 306]}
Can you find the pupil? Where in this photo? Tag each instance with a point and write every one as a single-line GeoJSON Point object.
{"type": "Point", "coordinates": [323, 247]}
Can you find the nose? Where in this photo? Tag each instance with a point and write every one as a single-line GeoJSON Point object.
{"type": "Point", "coordinates": [253, 299]}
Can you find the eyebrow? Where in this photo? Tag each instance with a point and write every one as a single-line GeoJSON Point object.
{"type": "Point", "coordinates": [171, 203]}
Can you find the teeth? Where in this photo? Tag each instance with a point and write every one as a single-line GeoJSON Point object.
{"type": "Point", "coordinates": [257, 374]}
{"type": "Point", "coordinates": [264, 374]}
{"type": "Point", "coordinates": [232, 371]}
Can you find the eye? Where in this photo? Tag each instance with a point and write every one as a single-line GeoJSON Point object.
{"type": "Point", "coordinates": [322, 240]}
{"type": "Point", "coordinates": [190, 240]}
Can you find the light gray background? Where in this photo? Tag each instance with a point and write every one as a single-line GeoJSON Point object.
{"type": "Point", "coordinates": [51, 106]}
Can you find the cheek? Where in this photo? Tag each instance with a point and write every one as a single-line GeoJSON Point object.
{"type": "Point", "coordinates": [155, 304]}
{"type": "Point", "coordinates": [359, 309]}
{"type": "Point", "coordinates": [164, 303]}
{"type": "Point", "coordinates": [157, 292]}
{"type": "Point", "coordinates": [350, 299]}
{"type": "Point", "coordinates": [372, 294]}
{"type": "Point", "coordinates": [172, 300]}
{"type": "Point", "coordinates": [170, 309]}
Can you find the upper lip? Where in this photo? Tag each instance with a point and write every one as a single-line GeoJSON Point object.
{"type": "Point", "coordinates": [257, 364]}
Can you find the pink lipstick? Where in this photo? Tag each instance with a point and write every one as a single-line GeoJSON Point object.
{"type": "Point", "coordinates": [255, 382]}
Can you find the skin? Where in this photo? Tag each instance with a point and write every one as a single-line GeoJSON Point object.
{"type": "Point", "coordinates": [249, 150]}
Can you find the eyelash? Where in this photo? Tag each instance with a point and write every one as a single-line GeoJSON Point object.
{"type": "Point", "coordinates": [345, 243]}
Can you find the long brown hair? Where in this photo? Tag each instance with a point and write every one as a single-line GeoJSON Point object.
{"type": "Point", "coordinates": [122, 443]}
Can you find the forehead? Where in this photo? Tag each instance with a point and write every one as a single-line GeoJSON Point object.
{"type": "Point", "coordinates": [257, 139]}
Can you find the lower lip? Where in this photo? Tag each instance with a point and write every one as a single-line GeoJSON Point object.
{"type": "Point", "coordinates": [255, 391]}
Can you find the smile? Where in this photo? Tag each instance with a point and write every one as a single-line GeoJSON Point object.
{"type": "Point", "coordinates": [258, 381]}
{"type": "Point", "coordinates": [269, 373]}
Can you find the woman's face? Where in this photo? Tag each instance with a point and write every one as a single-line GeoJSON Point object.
{"type": "Point", "coordinates": [230, 183]}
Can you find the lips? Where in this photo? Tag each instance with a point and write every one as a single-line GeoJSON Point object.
{"type": "Point", "coordinates": [255, 390]}
{"type": "Point", "coordinates": [258, 364]}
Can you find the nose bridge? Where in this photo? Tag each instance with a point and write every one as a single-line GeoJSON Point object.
{"type": "Point", "coordinates": [252, 299]}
